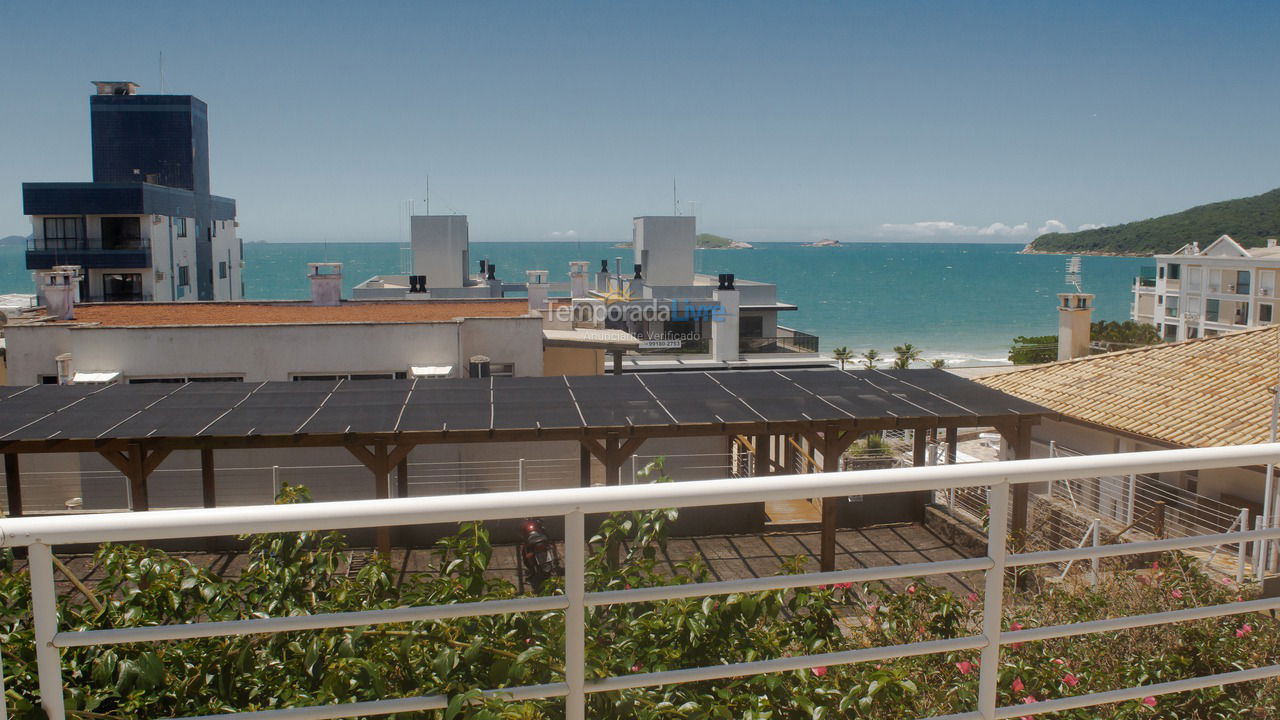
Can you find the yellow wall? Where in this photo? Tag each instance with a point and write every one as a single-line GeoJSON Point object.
{"type": "Point", "coordinates": [572, 361]}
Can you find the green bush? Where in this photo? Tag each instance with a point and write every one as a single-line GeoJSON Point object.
{"type": "Point", "coordinates": [300, 573]}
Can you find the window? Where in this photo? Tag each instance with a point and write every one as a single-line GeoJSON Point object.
{"type": "Point", "coordinates": [1171, 306]}
{"type": "Point", "coordinates": [184, 275]}
{"type": "Point", "coordinates": [180, 226]}
{"type": "Point", "coordinates": [1242, 282]}
{"type": "Point", "coordinates": [61, 228]}
{"type": "Point", "coordinates": [1264, 313]}
{"type": "Point", "coordinates": [122, 287]}
{"type": "Point", "coordinates": [1211, 308]}
{"type": "Point", "coordinates": [121, 233]}
{"type": "Point", "coordinates": [222, 269]}
{"type": "Point", "coordinates": [1161, 272]}
{"type": "Point", "coordinates": [352, 376]}
{"type": "Point", "coordinates": [1175, 271]}
{"type": "Point", "coordinates": [48, 379]}
{"type": "Point", "coordinates": [502, 369]}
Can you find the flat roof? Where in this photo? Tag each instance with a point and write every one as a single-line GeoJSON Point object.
{"type": "Point", "coordinates": [290, 313]}
{"type": "Point", "coordinates": [86, 418]}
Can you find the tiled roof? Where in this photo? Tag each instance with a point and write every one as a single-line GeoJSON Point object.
{"type": "Point", "coordinates": [292, 313]}
{"type": "Point", "coordinates": [1199, 393]}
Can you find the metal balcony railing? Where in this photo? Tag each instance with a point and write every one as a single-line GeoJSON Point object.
{"type": "Point", "coordinates": [40, 534]}
{"type": "Point", "coordinates": [799, 342]}
{"type": "Point", "coordinates": [80, 244]}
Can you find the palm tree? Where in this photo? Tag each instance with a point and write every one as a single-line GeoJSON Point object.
{"type": "Point", "coordinates": [842, 354]}
{"type": "Point", "coordinates": [870, 358]}
{"type": "Point", "coordinates": [939, 363]}
{"type": "Point", "coordinates": [907, 354]}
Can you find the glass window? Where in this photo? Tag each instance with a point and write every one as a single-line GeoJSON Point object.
{"type": "Point", "coordinates": [1211, 310]}
{"type": "Point", "coordinates": [180, 226]}
{"type": "Point", "coordinates": [121, 233]}
{"type": "Point", "coordinates": [502, 369]}
{"type": "Point", "coordinates": [184, 275]}
{"type": "Point", "coordinates": [1171, 306]}
{"type": "Point", "coordinates": [222, 270]}
{"type": "Point", "coordinates": [62, 228]}
{"type": "Point", "coordinates": [122, 287]}
{"type": "Point", "coordinates": [1242, 282]}
{"type": "Point", "coordinates": [1175, 271]}
{"type": "Point", "coordinates": [1264, 312]}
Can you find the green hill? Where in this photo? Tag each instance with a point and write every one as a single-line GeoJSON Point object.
{"type": "Point", "coordinates": [1250, 221]}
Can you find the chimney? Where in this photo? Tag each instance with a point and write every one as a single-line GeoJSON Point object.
{"type": "Point", "coordinates": [537, 285]}
{"type": "Point", "coordinates": [58, 287]}
{"type": "Point", "coordinates": [1075, 314]}
{"type": "Point", "coordinates": [484, 266]}
{"type": "Point", "coordinates": [495, 285]}
{"type": "Point", "coordinates": [602, 277]}
{"type": "Point", "coordinates": [114, 87]}
{"type": "Point", "coordinates": [724, 321]}
{"type": "Point", "coordinates": [578, 279]}
{"type": "Point", "coordinates": [326, 283]}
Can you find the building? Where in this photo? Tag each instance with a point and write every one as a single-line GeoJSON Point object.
{"type": "Point", "coordinates": [146, 227]}
{"type": "Point", "coordinates": [440, 252]}
{"type": "Point", "coordinates": [1195, 293]}
{"type": "Point", "coordinates": [1209, 392]}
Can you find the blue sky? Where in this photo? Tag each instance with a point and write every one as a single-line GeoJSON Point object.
{"type": "Point", "coordinates": [782, 121]}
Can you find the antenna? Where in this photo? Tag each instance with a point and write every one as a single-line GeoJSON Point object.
{"type": "Point", "coordinates": [161, 72]}
{"type": "Point", "coordinates": [1073, 272]}
{"type": "Point", "coordinates": [427, 199]}
{"type": "Point", "coordinates": [675, 197]}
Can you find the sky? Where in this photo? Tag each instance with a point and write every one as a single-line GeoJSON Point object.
{"type": "Point", "coordinates": [989, 121]}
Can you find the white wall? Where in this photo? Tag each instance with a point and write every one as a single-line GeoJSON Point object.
{"type": "Point", "coordinates": [273, 352]}
{"type": "Point", "coordinates": [226, 249]}
{"type": "Point", "coordinates": [664, 246]}
{"type": "Point", "coordinates": [440, 249]}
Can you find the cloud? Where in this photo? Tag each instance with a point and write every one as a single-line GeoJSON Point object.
{"type": "Point", "coordinates": [571, 234]}
{"type": "Point", "coordinates": [1052, 226]}
{"type": "Point", "coordinates": [946, 228]}
{"type": "Point", "coordinates": [1089, 226]}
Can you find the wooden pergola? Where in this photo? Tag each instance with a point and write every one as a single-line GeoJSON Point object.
{"type": "Point", "coordinates": [135, 427]}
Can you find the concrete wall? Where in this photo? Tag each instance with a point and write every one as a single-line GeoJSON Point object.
{"type": "Point", "coordinates": [664, 245]}
{"type": "Point", "coordinates": [440, 248]}
{"type": "Point", "coordinates": [572, 361]}
{"type": "Point", "coordinates": [273, 352]}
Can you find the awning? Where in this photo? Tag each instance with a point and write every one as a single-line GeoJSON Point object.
{"type": "Point", "coordinates": [593, 338]}
{"type": "Point", "coordinates": [95, 378]}
{"type": "Point", "coordinates": [431, 371]}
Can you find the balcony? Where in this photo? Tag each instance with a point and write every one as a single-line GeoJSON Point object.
{"type": "Point", "coordinates": [786, 341]}
{"type": "Point", "coordinates": [129, 252]}
{"type": "Point", "coordinates": [583, 608]}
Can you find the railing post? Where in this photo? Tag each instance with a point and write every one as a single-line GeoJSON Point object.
{"type": "Point", "coordinates": [1133, 492]}
{"type": "Point", "coordinates": [1093, 562]}
{"type": "Point", "coordinates": [275, 482]}
{"type": "Point", "coordinates": [575, 616]}
{"type": "Point", "coordinates": [993, 598]}
{"type": "Point", "coordinates": [1242, 545]}
{"type": "Point", "coordinates": [44, 610]}
{"type": "Point", "coordinates": [522, 476]}
{"type": "Point", "coordinates": [1258, 567]}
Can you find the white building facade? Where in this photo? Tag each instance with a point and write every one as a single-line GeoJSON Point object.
{"type": "Point", "coordinates": [1205, 292]}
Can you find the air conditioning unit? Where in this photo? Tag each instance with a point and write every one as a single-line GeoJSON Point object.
{"type": "Point", "coordinates": [156, 219]}
{"type": "Point", "coordinates": [159, 275]}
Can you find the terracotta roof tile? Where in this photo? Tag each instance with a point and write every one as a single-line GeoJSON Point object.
{"type": "Point", "coordinates": [1200, 393]}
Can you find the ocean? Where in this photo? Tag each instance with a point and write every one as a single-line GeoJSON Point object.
{"type": "Point", "coordinates": [961, 302]}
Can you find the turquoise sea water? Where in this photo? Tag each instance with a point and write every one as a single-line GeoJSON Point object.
{"type": "Point", "coordinates": [958, 301]}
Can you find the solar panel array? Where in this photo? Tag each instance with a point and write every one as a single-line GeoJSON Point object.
{"type": "Point", "coordinates": [213, 409]}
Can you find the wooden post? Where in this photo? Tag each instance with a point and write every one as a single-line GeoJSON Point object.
{"type": "Point", "coordinates": [13, 484]}
{"type": "Point", "coordinates": [379, 459]}
{"type": "Point", "coordinates": [1021, 445]}
{"type": "Point", "coordinates": [617, 362]}
{"type": "Point", "coordinates": [1157, 520]}
{"type": "Point", "coordinates": [612, 468]}
{"type": "Point", "coordinates": [919, 443]}
{"type": "Point", "coordinates": [788, 454]}
{"type": "Point", "coordinates": [584, 466]}
{"type": "Point", "coordinates": [137, 474]}
{"type": "Point", "coordinates": [953, 440]}
{"type": "Point", "coordinates": [832, 443]}
{"type": "Point", "coordinates": [402, 478]}
{"type": "Point", "coordinates": [207, 487]}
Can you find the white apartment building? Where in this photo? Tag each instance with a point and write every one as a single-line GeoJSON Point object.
{"type": "Point", "coordinates": [1198, 292]}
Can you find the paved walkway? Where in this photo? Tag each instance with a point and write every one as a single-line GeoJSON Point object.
{"type": "Point", "coordinates": [728, 557]}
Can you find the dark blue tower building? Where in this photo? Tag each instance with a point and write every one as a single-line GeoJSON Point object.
{"type": "Point", "coordinates": [148, 207]}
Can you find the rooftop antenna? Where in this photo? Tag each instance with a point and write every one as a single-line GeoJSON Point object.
{"type": "Point", "coordinates": [427, 200]}
{"type": "Point", "coordinates": [1073, 272]}
{"type": "Point", "coordinates": [161, 72]}
{"type": "Point", "coordinates": [675, 197]}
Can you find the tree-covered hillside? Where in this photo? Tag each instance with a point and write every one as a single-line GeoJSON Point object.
{"type": "Point", "coordinates": [1250, 221]}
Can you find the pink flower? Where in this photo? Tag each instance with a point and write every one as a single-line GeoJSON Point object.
{"type": "Point", "coordinates": [911, 589]}
{"type": "Point", "coordinates": [1177, 594]}
{"type": "Point", "coordinates": [1059, 661]}
{"type": "Point", "coordinates": [1017, 685]}
{"type": "Point", "coordinates": [1070, 680]}
{"type": "Point", "coordinates": [965, 667]}
{"type": "Point", "coordinates": [1029, 699]}
{"type": "Point", "coordinates": [822, 587]}
{"type": "Point", "coordinates": [1015, 626]}
{"type": "Point", "coordinates": [818, 671]}
{"type": "Point", "coordinates": [1149, 701]}
{"type": "Point", "coordinates": [973, 597]}
{"type": "Point", "coordinates": [1144, 579]}
{"type": "Point", "coordinates": [844, 586]}
{"type": "Point", "coordinates": [636, 668]}
{"type": "Point", "coordinates": [1155, 565]}
{"type": "Point", "coordinates": [1225, 581]}
{"type": "Point", "coordinates": [872, 609]}
{"type": "Point", "coordinates": [1244, 630]}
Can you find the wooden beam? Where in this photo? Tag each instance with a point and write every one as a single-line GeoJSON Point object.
{"type": "Point", "coordinates": [378, 461]}
{"type": "Point", "coordinates": [402, 478]}
{"type": "Point", "coordinates": [953, 441]}
{"type": "Point", "coordinates": [1019, 438]}
{"type": "Point", "coordinates": [207, 484]}
{"type": "Point", "coordinates": [137, 474]}
{"type": "Point", "coordinates": [760, 458]}
{"type": "Point", "coordinates": [13, 484]}
{"type": "Point", "coordinates": [612, 467]}
{"type": "Point", "coordinates": [153, 460]}
{"type": "Point", "coordinates": [596, 449]}
{"type": "Point", "coordinates": [919, 443]}
{"type": "Point", "coordinates": [584, 465]}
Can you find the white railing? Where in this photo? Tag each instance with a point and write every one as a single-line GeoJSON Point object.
{"type": "Point", "coordinates": [41, 534]}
